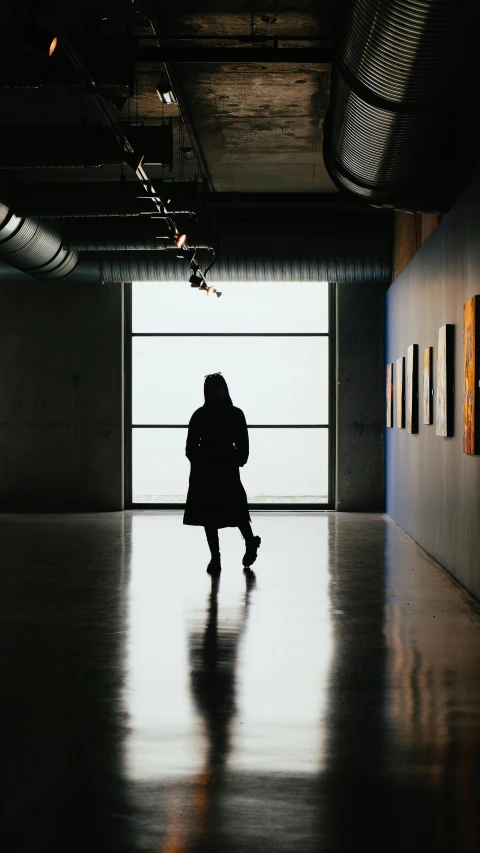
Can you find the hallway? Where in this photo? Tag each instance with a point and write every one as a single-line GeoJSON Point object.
{"type": "Point", "coordinates": [329, 701]}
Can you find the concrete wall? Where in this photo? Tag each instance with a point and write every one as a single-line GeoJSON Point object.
{"type": "Point", "coordinates": [360, 341]}
{"type": "Point", "coordinates": [61, 395]}
{"type": "Point", "coordinates": [433, 488]}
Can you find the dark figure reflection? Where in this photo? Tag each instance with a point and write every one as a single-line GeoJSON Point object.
{"type": "Point", "coordinates": [217, 447]}
{"type": "Point", "coordinates": [213, 660]}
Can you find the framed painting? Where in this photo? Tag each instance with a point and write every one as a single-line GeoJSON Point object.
{"type": "Point", "coordinates": [445, 374]}
{"type": "Point", "coordinates": [428, 385]}
{"type": "Point", "coordinates": [471, 396]}
{"type": "Point", "coordinates": [411, 396]}
{"type": "Point", "coordinates": [400, 391]}
{"type": "Point", "coordinates": [389, 394]}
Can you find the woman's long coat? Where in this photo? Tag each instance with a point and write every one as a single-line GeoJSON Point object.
{"type": "Point", "coordinates": [217, 446]}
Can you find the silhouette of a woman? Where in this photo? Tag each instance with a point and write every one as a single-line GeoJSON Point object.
{"type": "Point", "coordinates": [217, 446]}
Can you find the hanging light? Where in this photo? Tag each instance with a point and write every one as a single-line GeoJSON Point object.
{"type": "Point", "coordinates": [188, 152]}
{"type": "Point", "coordinates": [165, 93]}
{"type": "Point", "coordinates": [211, 292]}
{"type": "Point", "coordinates": [180, 240]}
{"type": "Point", "coordinates": [38, 40]}
{"type": "Point", "coordinates": [134, 160]}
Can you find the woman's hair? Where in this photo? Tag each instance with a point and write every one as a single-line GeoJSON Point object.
{"type": "Point", "coordinates": [216, 390]}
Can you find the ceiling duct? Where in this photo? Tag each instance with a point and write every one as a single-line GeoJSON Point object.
{"type": "Point", "coordinates": [392, 76]}
{"type": "Point", "coordinates": [350, 249]}
{"type": "Point", "coordinates": [34, 247]}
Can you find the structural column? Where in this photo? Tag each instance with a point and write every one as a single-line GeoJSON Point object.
{"type": "Point", "coordinates": [360, 342]}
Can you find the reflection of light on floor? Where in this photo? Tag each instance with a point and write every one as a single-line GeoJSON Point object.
{"type": "Point", "coordinates": [284, 645]}
{"type": "Point", "coordinates": [254, 499]}
{"type": "Point", "coordinates": [163, 741]}
{"type": "Point", "coordinates": [286, 654]}
{"type": "Point", "coordinates": [423, 658]}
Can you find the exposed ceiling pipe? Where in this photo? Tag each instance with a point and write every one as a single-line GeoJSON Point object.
{"type": "Point", "coordinates": [354, 249]}
{"type": "Point", "coordinates": [393, 81]}
{"type": "Point", "coordinates": [34, 247]}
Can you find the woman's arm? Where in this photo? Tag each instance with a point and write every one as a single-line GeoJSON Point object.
{"type": "Point", "coordinates": [193, 438]}
{"type": "Point", "coordinates": [241, 439]}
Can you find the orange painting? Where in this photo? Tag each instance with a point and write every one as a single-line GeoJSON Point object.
{"type": "Point", "coordinates": [470, 391]}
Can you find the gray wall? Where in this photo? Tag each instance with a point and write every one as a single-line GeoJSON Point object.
{"type": "Point", "coordinates": [61, 393]}
{"type": "Point", "coordinates": [433, 488]}
{"type": "Point", "coordinates": [360, 480]}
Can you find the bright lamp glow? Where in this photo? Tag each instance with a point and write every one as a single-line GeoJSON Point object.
{"type": "Point", "coordinates": [180, 240]}
{"type": "Point", "coordinates": [38, 39]}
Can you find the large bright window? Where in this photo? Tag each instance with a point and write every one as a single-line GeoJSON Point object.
{"type": "Point", "coordinates": [271, 342]}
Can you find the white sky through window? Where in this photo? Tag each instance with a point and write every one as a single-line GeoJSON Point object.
{"type": "Point", "coordinates": [278, 376]}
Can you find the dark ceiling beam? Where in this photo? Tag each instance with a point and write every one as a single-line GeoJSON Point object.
{"type": "Point", "coordinates": [127, 199]}
{"type": "Point", "coordinates": [242, 39]}
{"type": "Point", "coordinates": [71, 146]}
{"type": "Point", "coordinates": [109, 61]}
{"type": "Point", "coordinates": [97, 199]}
{"type": "Point", "coordinates": [225, 55]}
{"type": "Point", "coordinates": [139, 234]}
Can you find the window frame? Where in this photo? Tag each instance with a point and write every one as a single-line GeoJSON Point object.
{"type": "Point", "coordinates": [331, 426]}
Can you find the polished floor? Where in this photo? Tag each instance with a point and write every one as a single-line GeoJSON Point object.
{"type": "Point", "coordinates": [328, 702]}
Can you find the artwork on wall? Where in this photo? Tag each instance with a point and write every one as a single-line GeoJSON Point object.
{"type": "Point", "coordinates": [471, 426]}
{"type": "Point", "coordinates": [412, 389]}
{"type": "Point", "coordinates": [400, 391]}
{"type": "Point", "coordinates": [445, 374]}
{"type": "Point", "coordinates": [389, 394]}
{"type": "Point", "coordinates": [428, 385]}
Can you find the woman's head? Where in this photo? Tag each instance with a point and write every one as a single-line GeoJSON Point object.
{"type": "Point", "coordinates": [216, 389]}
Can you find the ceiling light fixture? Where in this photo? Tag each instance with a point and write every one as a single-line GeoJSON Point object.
{"type": "Point", "coordinates": [180, 240]}
{"type": "Point", "coordinates": [135, 161]}
{"type": "Point", "coordinates": [165, 93]}
{"type": "Point", "coordinates": [188, 152]}
{"type": "Point", "coordinates": [196, 280]}
{"type": "Point", "coordinates": [38, 40]}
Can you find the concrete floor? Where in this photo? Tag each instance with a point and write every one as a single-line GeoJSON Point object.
{"type": "Point", "coordinates": [331, 703]}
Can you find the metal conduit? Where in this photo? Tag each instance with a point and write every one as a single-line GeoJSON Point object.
{"type": "Point", "coordinates": [34, 247]}
{"type": "Point", "coordinates": [392, 74]}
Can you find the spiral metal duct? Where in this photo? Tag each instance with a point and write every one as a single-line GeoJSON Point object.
{"type": "Point", "coordinates": [351, 249]}
{"type": "Point", "coordinates": [392, 74]}
{"type": "Point", "coordinates": [34, 247]}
